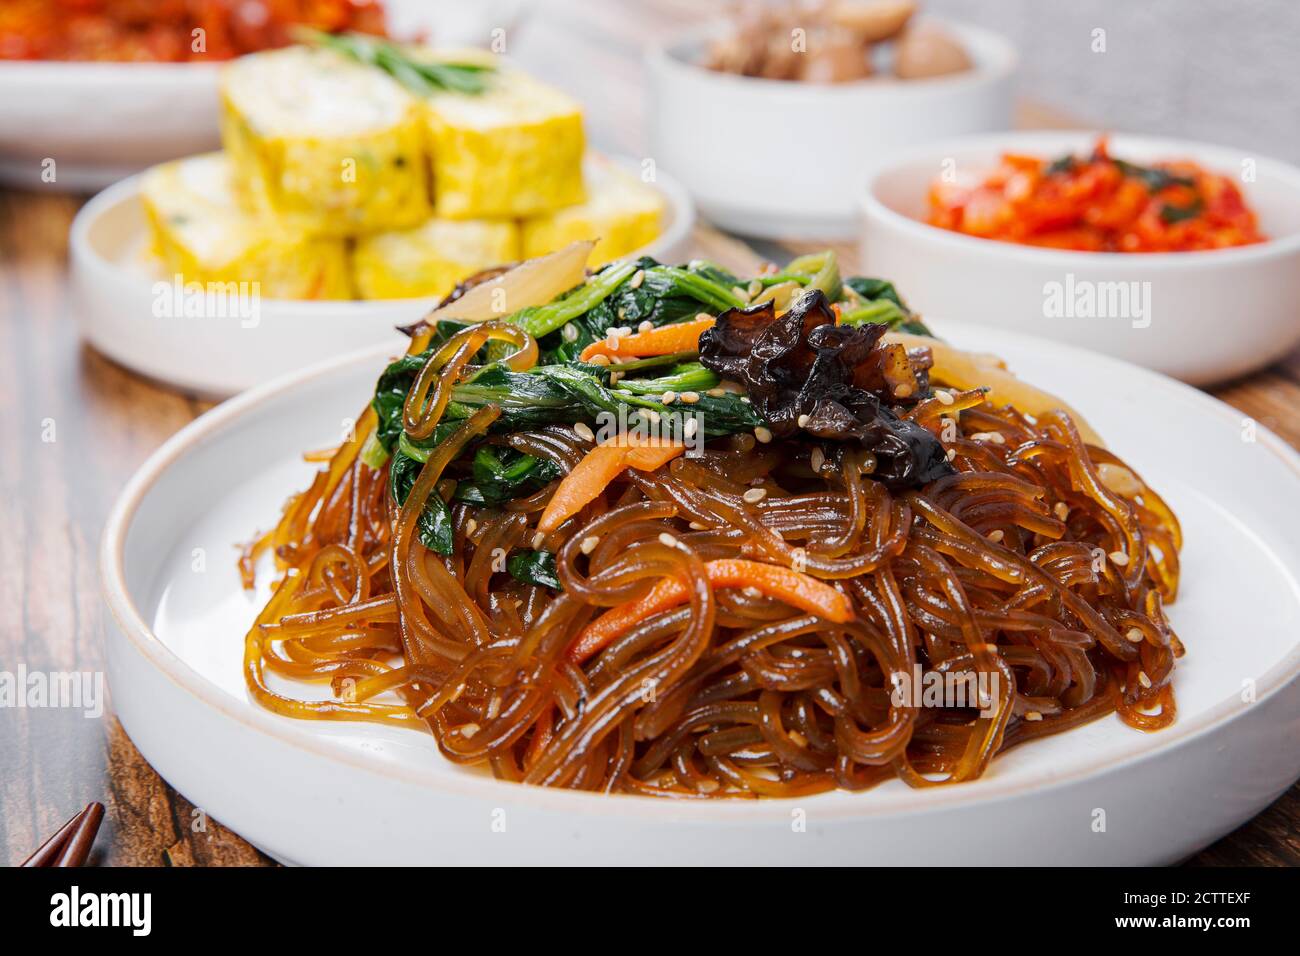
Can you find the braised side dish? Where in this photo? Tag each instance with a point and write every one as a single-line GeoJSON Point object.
{"type": "Point", "coordinates": [836, 41]}
{"type": "Point", "coordinates": [668, 531]}
{"type": "Point", "coordinates": [169, 30]}
{"type": "Point", "coordinates": [1097, 203]}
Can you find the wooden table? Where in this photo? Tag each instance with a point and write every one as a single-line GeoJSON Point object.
{"type": "Point", "coordinates": [55, 495]}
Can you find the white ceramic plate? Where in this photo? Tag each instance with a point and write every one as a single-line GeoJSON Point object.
{"type": "Point", "coordinates": [99, 122]}
{"type": "Point", "coordinates": [219, 354]}
{"type": "Point", "coordinates": [1200, 316]}
{"type": "Point", "coordinates": [807, 147]}
{"type": "Point", "coordinates": [310, 792]}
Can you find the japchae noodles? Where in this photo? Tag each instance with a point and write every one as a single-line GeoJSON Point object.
{"type": "Point", "coordinates": [528, 548]}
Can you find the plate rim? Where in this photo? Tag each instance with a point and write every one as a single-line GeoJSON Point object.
{"type": "Point", "coordinates": [132, 626]}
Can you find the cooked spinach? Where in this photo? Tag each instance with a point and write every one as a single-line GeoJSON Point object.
{"type": "Point", "coordinates": [502, 474]}
{"type": "Point", "coordinates": [434, 527]}
{"type": "Point", "coordinates": [534, 567]}
{"type": "Point", "coordinates": [562, 389]}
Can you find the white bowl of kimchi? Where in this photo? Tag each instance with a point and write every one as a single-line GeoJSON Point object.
{"type": "Point", "coordinates": [1201, 316]}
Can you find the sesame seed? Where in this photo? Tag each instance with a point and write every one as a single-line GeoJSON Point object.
{"type": "Point", "coordinates": [599, 359]}
{"type": "Point", "coordinates": [996, 536]}
{"type": "Point", "coordinates": [615, 378]}
{"type": "Point", "coordinates": [944, 397]}
{"type": "Point", "coordinates": [764, 435]}
{"type": "Point", "coordinates": [952, 453]}
{"type": "Point", "coordinates": [751, 591]}
{"type": "Point", "coordinates": [470, 527]}
{"type": "Point", "coordinates": [668, 541]}
{"type": "Point", "coordinates": [468, 730]}
{"type": "Point", "coordinates": [696, 526]}
{"type": "Point", "coordinates": [637, 278]}
{"type": "Point", "coordinates": [569, 333]}
{"type": "Point", "coordinates": [611, 341]}
{"type": "Point", "coordinates": [1033, 715]}
{"type": "Point", "coordinates": [1119, 558]}
{"type": "Point", "coordinates": [803, 421]}
{"type": "Point", "coordinates": [589, 543]}
{"type": "Point", "coordinates": [646, 326]}
{"type": "Point", "coordinates": [621, 331]}
{"type": "Point", "coordinates": [539, 539]}
{"type": "Point", "coordinates": [816, 459]}
{"type": "Point", "coordinates": [754, 495]}
{"type": "Point", "coordinates": [668, 397]}
{"type": "Point", "coordinates": [716, 392]}
{"type": "Point", "coordinates": [904, 390]}
{"type": "Point", "coordinates": [702, 315]}
{"type": "Point", "coordinates": [690, 398]}
{"type": "Point", "coordinates": [1062, 510]}
{"type": "Point", "coordinates": [692, 426]}
{"type": "Point", "coordinates": [995, 437]}
{"type": "Point", "coordinates": [745, 399]}
{"type": "Point", "coordinates": [1134, 635]}
{"type": "Point", "coordinates": [1143, 679]}
{"type": "Point", "coordinates": [583, 431]}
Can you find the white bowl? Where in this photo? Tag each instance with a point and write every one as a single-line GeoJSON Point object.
{"type": "Point", "coordinates": [81, 126]}
{"type": "Point", "coordinates": [330, 792]}
{"type": "Point", "coordinates": [99, 122]}
{"type": "Point", "coordinates": [1199, 316]}
{"type": "Point", "coordinates": [121, 292]}
{"type": "Point", "coordinates": [789, 159]}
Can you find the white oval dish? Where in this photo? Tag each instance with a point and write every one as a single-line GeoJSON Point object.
{"type": "Point", "coordinates": [99, 122]}
{"type": "Point", "coordinates": [800, 152]}
{"type": "Point", "coordinates": [313, 792]}
{"type": "Point", "coordinates": [120, 290]}
{"type": "Point", "coordinates": [1199, 316]}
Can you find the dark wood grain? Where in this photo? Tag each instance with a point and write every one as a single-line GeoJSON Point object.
{"type": "Point", "coordinates": [55, 495]}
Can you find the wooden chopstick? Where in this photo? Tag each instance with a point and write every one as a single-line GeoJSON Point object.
{"type": "Point", "coordinates": [71, 844]}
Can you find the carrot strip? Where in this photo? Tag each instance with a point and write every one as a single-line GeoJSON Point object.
{"type": "Point", "coordinates": [597, 469]}
{"type": "Point", "coordinates": [786, 585]}
{"type": "Point", "coordinates": [665, 340]}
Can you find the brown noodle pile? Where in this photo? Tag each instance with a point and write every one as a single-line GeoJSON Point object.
{"type": "Point", "coordinates": [1028, 565]}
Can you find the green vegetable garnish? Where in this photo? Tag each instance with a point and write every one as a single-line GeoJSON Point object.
{"type": "Point", "coordinates": [421, 77]}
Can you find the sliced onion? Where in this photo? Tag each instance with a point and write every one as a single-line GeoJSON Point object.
{"type": "Point", "coordinates": [534, 282]}
{"type": "Point", "coordinates": [966, 370]}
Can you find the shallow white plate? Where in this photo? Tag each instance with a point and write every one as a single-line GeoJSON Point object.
{"type": "Point", "coordinates": [99, 122]}
{"type": "Point", "coordinates": [310, 792]}
{"type": "Point", "coordinates": [218, 354]}
{"type": "Point", "coordinates": [1200, 316]}
{"type": "Point", "coordinates": [787, 159]}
